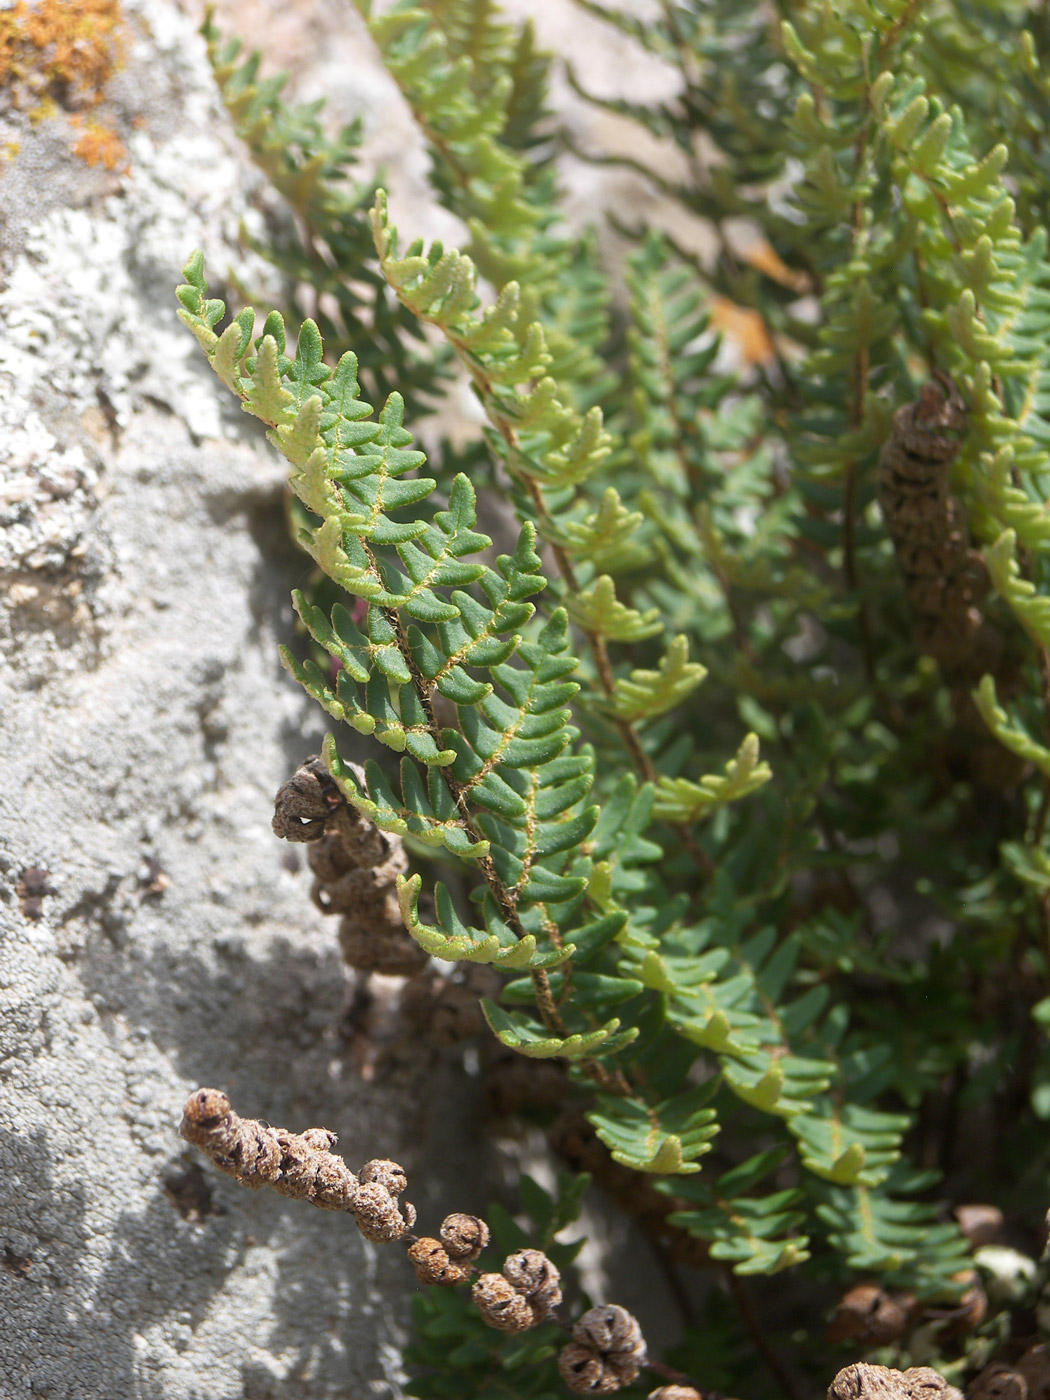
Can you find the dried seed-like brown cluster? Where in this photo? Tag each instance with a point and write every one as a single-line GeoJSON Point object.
{"type": "Point", "coordinates": [375, 1207]}
{"type": "Point", "coordinates": [998, 1381]}
{"type": "Point", "coordinates": [300, 1165]}
{"type": "Point", "coordinates": [1028, 1378]}
{"type": "Point", "coordinates": [382, 1172]}
{"type": "Point", "coordinates": [305, 802]}
{"type": "Point", "coordinates": [1034, 1365]}
{"type": "Point", "coordinates": [522, 1295]}
{"type": "Point", "coordinates": [945, 578]}
{"type": "Point", "coordinates": [606, 1353]}
{"type": "Point", "coordinates": [535, 1277]}
{"type": "Point", "coordinates": [433, 1265]}
{"type": "Point", "coordinates": [501, 1305]}
{"type": "Point", "coordinates": [355, 867]}
{"type": "Point", "coordinates": [448, 1261]}
{"type": "Point", "coordinates": [464, 1236]}
{"type": "Point", "coordinates": [863, 1382]}
{"type": "Point", "coordinates": [378, 1216]}
{"type": "Point", "coordinates": [981, 1224]}
{"type": "Point", "coordinates": [869, 1315]}
{"type": "Point", "coordinates": [971, 1309]}
{"type": "Point", "coordinates": [513, 1082]}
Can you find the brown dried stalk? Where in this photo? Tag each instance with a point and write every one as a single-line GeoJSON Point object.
{"type": "Point", "coordinates": [607, 1350]}
{"type": "Point", "coordinates": [300, 1165]}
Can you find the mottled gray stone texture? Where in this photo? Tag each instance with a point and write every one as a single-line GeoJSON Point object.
{"type": "Point", "coordinates": [153, 936]}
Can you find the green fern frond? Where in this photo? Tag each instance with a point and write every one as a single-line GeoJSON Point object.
{"type": "Point", "coordinates": [329, 246]}
{"type": "Point", "coordinates": [682, 800]}
{"type": "Point", "coordinates": [664, 1140]}
{"type": "Point", "coordinates": [756, 1234]}
{"type": "Point", "coordinates": [646, 694]}
{"type": "Point", "coordinates": [1010, 735]}
{"type": "Point", "coordinates": [902, 1239]}
{"type": "Point", "coordinates": [506, 787]}
{"type": "Point", "coordinates": [852, 1145]}
{"type": "Point", "coordinates": [539, 437]}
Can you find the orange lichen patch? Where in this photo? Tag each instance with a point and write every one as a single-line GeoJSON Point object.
{"type": "Point", "coordinates": [9, 43]}
{"type": "Point", "coordinates": [745, 328]}
{"type": "Point", "coordinates": [99, 144]}
{"type": "Point", "coordinates": [72, 45]}
{"type": "Point", "coordinates": [765, 258]}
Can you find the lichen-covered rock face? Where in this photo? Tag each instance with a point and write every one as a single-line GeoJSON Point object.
{"type": "Point", "coordinates": [152, 934]}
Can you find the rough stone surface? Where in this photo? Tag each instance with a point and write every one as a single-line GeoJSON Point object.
{"type": "Point", "coordinates": [152, 936]}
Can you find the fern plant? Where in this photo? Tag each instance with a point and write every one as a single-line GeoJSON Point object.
{"type": "Point", "coordinates": [735, 764]}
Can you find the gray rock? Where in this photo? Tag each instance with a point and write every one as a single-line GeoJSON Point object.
{"type": "Point", "coordinates": [152, 938]}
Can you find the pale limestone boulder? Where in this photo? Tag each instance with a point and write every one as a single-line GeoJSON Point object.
{"type": "Point", "coordinates": [152, 934]}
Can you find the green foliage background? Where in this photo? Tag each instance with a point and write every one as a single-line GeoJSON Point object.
{"type": "Point", "coordinates": [752, 864]}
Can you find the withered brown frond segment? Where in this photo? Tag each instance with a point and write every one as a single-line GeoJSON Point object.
{"type": "Point", "coordinates": [300, 1165]}
{"type": "Point", "coordinates": [355, 868]}
{"type": "Point", "coordinates": [945, 578]}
